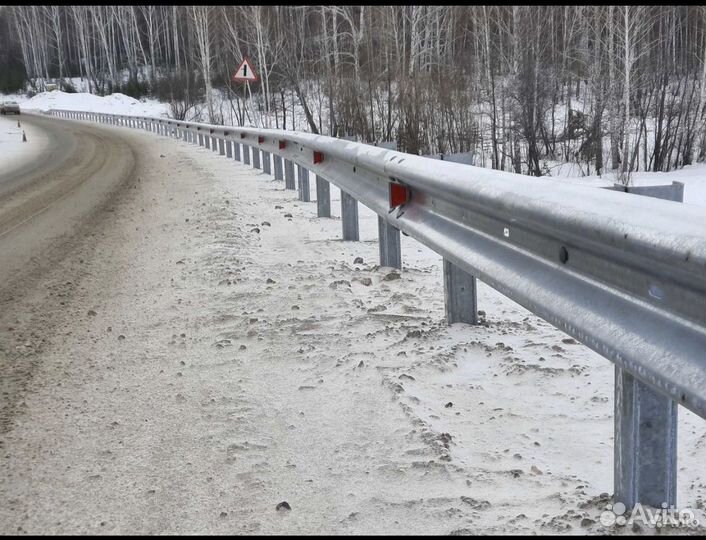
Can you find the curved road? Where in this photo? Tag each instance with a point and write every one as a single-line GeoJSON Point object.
{"type": "Point", "coordinates": [45, 203]}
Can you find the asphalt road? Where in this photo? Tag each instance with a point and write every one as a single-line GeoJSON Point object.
{"type": "Point", "coordinates": [45, 205]}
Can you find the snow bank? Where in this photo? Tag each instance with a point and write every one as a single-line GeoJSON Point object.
{"type": "Point", "coordinates": [692, 176]}
{"type": "Point", "coordinates": [114, 103]}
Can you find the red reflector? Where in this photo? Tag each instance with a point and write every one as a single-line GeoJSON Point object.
{"type": "Point", "coordinates": [282, 145]}
{"type": "Point", "coordinates": [318, 157]}
{"type": "Point", "coordinates": [399, 194]}
{"type": "Point", "coordinates": [260, 140]}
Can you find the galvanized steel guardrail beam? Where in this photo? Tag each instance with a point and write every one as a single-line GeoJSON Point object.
{"type": "Point", "coordinates": [624, 275]}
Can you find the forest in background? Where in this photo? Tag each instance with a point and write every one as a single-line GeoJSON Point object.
{"type": "Point", "coordinates": [613, 88]}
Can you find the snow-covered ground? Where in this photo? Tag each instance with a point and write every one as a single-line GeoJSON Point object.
{"type": "Point", "coordinates": [692, 176]}
{"type": "Point", "coordinates": [113, 103]}
{"type": "Point", "coordinates": [235, 356]}
{"type": "Point", "coordinates": [13, 151]}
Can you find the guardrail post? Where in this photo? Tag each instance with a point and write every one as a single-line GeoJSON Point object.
{"type": "Point", "coordinates": [304, 190]}
{"type": "Point", "coordinates": [266, 163]}
{"type": "Point", "coordinates": [236, 150]}
{"type": "Point", "coordinates": [214, 143]}
{"type": "Point", "coordinates": [390, 247]}
{"type": "Point", "coordinates": [460, 296]}
{"type": "Point", "coordinates": [229, 148]}
{"type": "Point", "coordinates": [349, 217]}
{"type": "Point", "coordinates": [289, 181]}
{"type": "Point", "coordinates": [201, 143]}
{"type": "Point", "coordinates": [246, 154]}
{"type": "Point", "coordinates": [645, 442]}
{"type": "Point", "coordinates": [207, 141]}
{"type": "Point", "coordinates": [323, 197]}
{"type": "Point", "coordinates": [221, 147]}
{"type": "Point", "coordinates": [279, 173]}
{"type": "Point", "coordinates": [256, 157]}
{"type": "Point", "coordinates": [645, 467]}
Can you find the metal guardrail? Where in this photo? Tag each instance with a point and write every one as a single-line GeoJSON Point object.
{"type": "Point", "coordinates": [624, 275]}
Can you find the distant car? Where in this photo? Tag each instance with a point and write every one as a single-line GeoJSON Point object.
{"type": "Point", "coordinates": [9, 107]}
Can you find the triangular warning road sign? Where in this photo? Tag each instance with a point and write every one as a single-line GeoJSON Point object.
{"type": "Point", "coordinates": [245, 72]}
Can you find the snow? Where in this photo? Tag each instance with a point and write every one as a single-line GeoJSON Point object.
{"type": "Point", "coordinates": [692, 176]}
{"type": "Point", "coordinates": [114, 103]}
{"type": "Point", "coordinates": [13, 152]}
{"type": "Point", "coordinates": [258, 366]}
